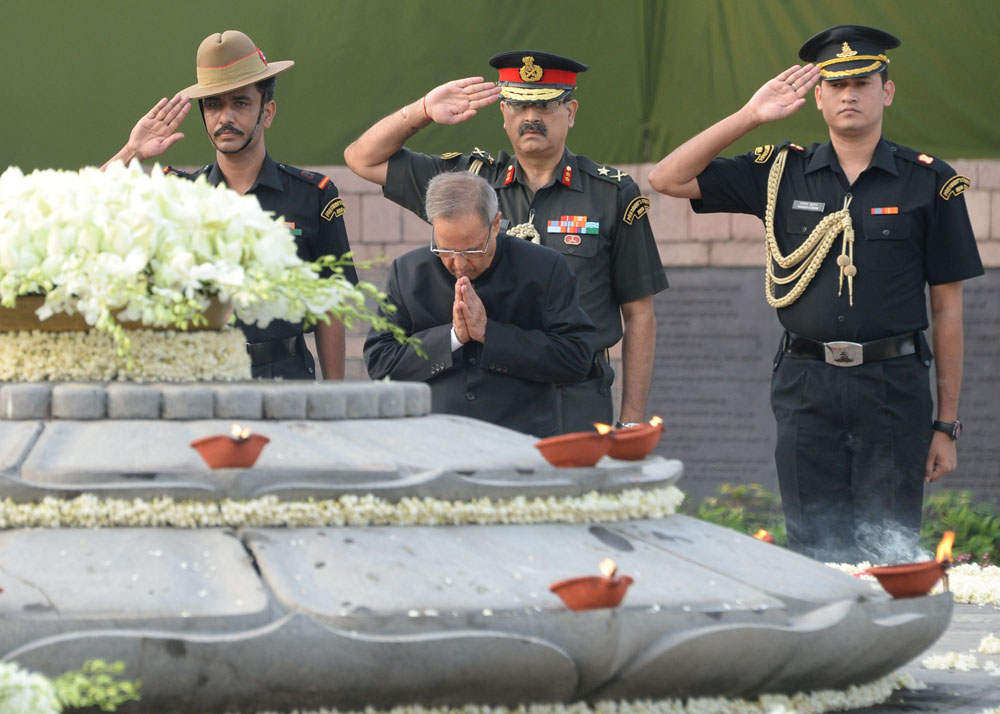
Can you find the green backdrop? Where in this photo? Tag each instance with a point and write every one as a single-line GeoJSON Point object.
{"type": "Point", "coordinates": [79, 74]}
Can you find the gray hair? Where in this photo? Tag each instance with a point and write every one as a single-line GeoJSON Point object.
{"type": "Point", "coordinates": [456, 194]}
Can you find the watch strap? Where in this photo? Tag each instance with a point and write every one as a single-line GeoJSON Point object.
{"type": "Point", "coordinates": [951, 428]}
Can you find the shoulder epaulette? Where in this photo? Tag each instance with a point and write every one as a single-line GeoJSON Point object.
{"type": "Point", "coordinates": [483, 156]}
{"type": "Point", "coordinates": [603, 171]}
{"type": "Point", "coordinates": [320, 180]}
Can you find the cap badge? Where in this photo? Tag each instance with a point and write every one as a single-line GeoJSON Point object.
{"type": "Point", "coordinates": [846, 51]}
{"type": "Point", "coordinates": [530, 72]}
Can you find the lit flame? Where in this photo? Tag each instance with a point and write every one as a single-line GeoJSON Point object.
{"type": "Point", "coordinates": [944, 547]}
{"type": "Point", "coordinates": [602, 428]}
{"type": "Point", "coordinates": [240, 432]}
{"type": "Point", "coordinates": [608, 568]}
{"type": "Point", "coordinates": [655, 421]}
{"type": "Point", "coordinates": [764, 536]}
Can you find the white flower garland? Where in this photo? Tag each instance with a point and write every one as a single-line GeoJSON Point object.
{"type": "Point", "coordinates": [855, 697]}
{"type": "Point", "coordinates": [160, 356]}
{"type": "Point", "coordinates": [89, 511]}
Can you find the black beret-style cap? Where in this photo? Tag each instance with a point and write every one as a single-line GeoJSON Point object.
{"type": "Point", "coordinates": [529, 76]}
{"type": "Point", "coordinates": [848, 51]}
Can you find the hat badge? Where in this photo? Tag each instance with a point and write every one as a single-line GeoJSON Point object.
{"type": "Point", "coordinates": [530, 72]}
{"type": "Point", "coordinates": [846, 51]}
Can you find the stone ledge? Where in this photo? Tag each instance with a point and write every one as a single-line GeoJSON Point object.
{"type": "Point", "coordinates": [220, 400]}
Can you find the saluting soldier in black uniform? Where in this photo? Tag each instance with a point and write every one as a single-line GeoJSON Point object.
{"type": "Point", "coordinates": [592, 214]}
{"type": "Point", "coordinates": [856, 227]}
{"type": "Point", "coordinates": [235, 92]}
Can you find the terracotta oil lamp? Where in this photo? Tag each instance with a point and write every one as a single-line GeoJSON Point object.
{"type": "Point", "coordinates": [580, 448]}
{"type": "Point", "coordinates": [636, 442]}
{"type": "Point", "coordinates": [916, 579]}
{"type": "Point", "coordinates": [591, 592]}
{"type": "Point", "coordinates": [764, 535]}
{"type": "Point", "coordinates": [238, 450]}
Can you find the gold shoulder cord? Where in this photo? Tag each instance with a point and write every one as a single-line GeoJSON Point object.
{"type": "Point", "coordinates": [808, 256]}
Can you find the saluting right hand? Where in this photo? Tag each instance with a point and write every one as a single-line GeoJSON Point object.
{"type": "Point", "coordinates": [784, 95]}
{"type": "Point", "coordinates": [157, 130]}
{"type": "Point", "coordinates": [458, 100]}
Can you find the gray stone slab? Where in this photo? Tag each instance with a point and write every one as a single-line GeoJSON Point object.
{"type": "Point", "coordinates": [439, 456]}
{"type": "Point", "coordinates": [25, 401]}
{"type": "Point", "coordinates": [15, 440]}
{"type": "Point", "coordinates": [78, 401]}
{"type": "Point", "coordinates": [299, 664]}
{"type": "Point", "coordinates": [363, 399]}
{"type": "Point", "coordinates": [188, 402]}
{"type": "Point", "coordinates": [73, 580]}
{"type": "Point", "coordinates": [133, 401]}
{"type": "Point", "coordinates": [238, 402]}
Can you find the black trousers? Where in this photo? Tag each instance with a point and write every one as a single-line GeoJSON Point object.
{"type": "Point", "coordinates": [851, 450]}
{"type": "Point", "coordinates": [297, 366]}
{"type": "Point", "coordinates": [584, 403]}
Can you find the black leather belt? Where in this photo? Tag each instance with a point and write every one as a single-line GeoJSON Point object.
{"type": "Point", "coordinates": [272, 350]}
{"type": "Point", "coordinates": [851, 354]}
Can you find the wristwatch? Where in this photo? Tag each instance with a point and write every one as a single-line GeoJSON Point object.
{"type": "Point", "coordinates": [951, 428]}
{"type": "Point", "coordinates": [629, 425]}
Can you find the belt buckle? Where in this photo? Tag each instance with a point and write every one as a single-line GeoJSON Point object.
{"type": "Point", "coordinates": [843, 354]}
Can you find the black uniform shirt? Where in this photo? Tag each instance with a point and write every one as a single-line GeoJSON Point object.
{"type": "Point", "coordinates": [310, 206]}
{"type": "Point", "coordinates": [617, 263]}
{"type": "Point", "coordinates": [910, 223]}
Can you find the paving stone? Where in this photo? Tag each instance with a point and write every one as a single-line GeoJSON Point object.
{"type": "Point", "coordinates": [285, 401]}
{"type": "Point", "coordinates": [391, 400]}
{"type": "Point", "coordinates": [363, 399]}
{"type": "Point", "coordinates": [188, 402]}
{"type": "Point", "coordinates": [418, 398]}
{"type": "Point", "coordinates": [25, 401]}
{"type": "Point", "coordinates": [327, 401]}
{"type": "Point", "coordinates": [238, 402]}
{"type": "Point", "coordinates": [78, 401]}
{"type": "Point", "coordinates": [133, 401]}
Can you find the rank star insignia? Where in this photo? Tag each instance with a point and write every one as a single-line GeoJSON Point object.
{"type": "Point", "coordinates": [604, 171]}
{"type": "Point", "coordinates": [567, 177]}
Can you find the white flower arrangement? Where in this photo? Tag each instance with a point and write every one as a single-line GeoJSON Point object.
{"type": "Point", "coordinates": [23, 692]}
{"type": "Point", "coordinates": [121, 245]}
{"type": "Point", "coordinates": [161, 356]}
{"type": "Point", "coordinates": [969, 583]}
{"type": "Point", "coordinates": [89, 511]}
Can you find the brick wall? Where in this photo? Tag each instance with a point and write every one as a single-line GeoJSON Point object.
{"type": "Point", "coordinates": [377, 227]}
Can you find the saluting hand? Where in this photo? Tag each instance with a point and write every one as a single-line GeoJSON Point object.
{"type": "Point", "coordinates": [458, 100]}
{"type": "Point", "coordinates": [157, 130]}
{"type": "Point", "coordinates": [784, 95]}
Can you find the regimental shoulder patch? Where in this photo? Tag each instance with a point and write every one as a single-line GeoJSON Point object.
{"type": "Point", "coordinates": [925, 159]}
{"type": "Point", "coordinates": [762, 154]}
{"type": "Point", "coordinates": [334, 209]}
{"type": "Point", "coordinates": [955, 186]}
{"type": "Point", "coordinates": [447, 156]}
{"type": "Point", "coordinates": [637, 208]}
{"type": "Point", "coordinates": [312, 177]}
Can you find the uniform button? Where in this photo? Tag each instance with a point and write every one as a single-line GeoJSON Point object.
{"type": "Point", "coordinates": [892, 148]}
{"type": "Point", "coordinates": [470, 396]}
{"type": "Point", "coordinates": [493, 365]}
{"type": "Point", "coordinates": [840, 318]}
{"type": "Point", "coordinates": [885, 231]}
{"type": "Point", "coordinates": [570, 250]}
{"type": "Point", "coordinates": [472, 360]}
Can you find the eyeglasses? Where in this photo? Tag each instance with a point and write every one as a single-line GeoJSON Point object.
{"type": "Point", "coordinates": [465, 253]}
{"type": "Point", "coordinates": [544, 108]}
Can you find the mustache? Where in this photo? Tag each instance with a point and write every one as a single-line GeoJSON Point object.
{"type": "Point", "coordinates": [227, 127]}
{"type": "Point", "coordinates": [538, 126]}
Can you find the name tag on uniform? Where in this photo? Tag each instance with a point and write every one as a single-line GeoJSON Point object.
{"type": "Point", "coordinates": [815, 206]}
